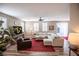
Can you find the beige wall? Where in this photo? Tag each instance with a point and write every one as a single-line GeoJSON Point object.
{"type": "Point", "coordinates": [29, 27]}
{"type": "Point", "coordinates": [74, 18]}
{"type": "Point", "coordinates": [11, 20]}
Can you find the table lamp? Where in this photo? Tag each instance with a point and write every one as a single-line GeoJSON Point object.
{"type": "Point", "coordinates": [74, 39]}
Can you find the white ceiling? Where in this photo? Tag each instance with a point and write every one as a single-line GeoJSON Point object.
{"type": "Point", "coordinates": [32, 11]}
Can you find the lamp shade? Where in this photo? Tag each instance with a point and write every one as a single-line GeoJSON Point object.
{"type": "Point", "coordinates": [74, 39]}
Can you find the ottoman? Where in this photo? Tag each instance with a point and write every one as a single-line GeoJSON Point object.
{"type": "Point", "coordinates": [48, 41]}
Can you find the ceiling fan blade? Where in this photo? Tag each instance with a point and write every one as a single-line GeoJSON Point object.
{"type": "Point", "coordinates": [41, 19]}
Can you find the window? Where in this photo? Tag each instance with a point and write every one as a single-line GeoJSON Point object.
{"type": "Point", "coordinates": [36, 27]}
{"type": "Point", "coordinates": [4, 24]}
{"type": "Point", "coordinates": [44, 26]}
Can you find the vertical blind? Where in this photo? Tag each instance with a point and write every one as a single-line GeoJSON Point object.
{"type": "Point", "coordinates": [44, 27]}
{"type": "Point", "coordinates": [36, 27]}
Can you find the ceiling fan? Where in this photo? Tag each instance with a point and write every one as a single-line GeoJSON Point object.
{"type": "Point", "coordinates": [41, 19]}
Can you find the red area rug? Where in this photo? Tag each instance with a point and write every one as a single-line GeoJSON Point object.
{"type": "Point", "coordinates": [37, 45]}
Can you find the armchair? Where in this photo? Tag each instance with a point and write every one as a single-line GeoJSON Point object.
{"type": "Point", "coordinates": [23, 44]}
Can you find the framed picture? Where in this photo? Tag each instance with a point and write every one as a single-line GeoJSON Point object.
{"type": "Point", "coordinates": [17, 29]}
{"type": "Point", "coordinates": [51, 27]}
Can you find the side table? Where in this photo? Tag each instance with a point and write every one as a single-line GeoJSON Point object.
{"type": "Point", "coordinates": [76, 51]}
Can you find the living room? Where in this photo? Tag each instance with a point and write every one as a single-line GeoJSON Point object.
{"type": "Point", "coordinates": [44, 27]}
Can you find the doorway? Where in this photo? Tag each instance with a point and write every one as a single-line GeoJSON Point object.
{"type": "Point", "coordinates": [62, 29]}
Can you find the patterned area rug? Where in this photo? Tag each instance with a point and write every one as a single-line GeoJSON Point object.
{"type": "Point", "coordinates": [37, 45]}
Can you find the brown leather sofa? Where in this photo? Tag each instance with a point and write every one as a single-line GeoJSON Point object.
{"type": "Point", "coordinates": [23, 44]}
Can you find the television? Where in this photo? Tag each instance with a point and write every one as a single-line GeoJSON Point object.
{"type": "Point", "coordinates": [17, 29]}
